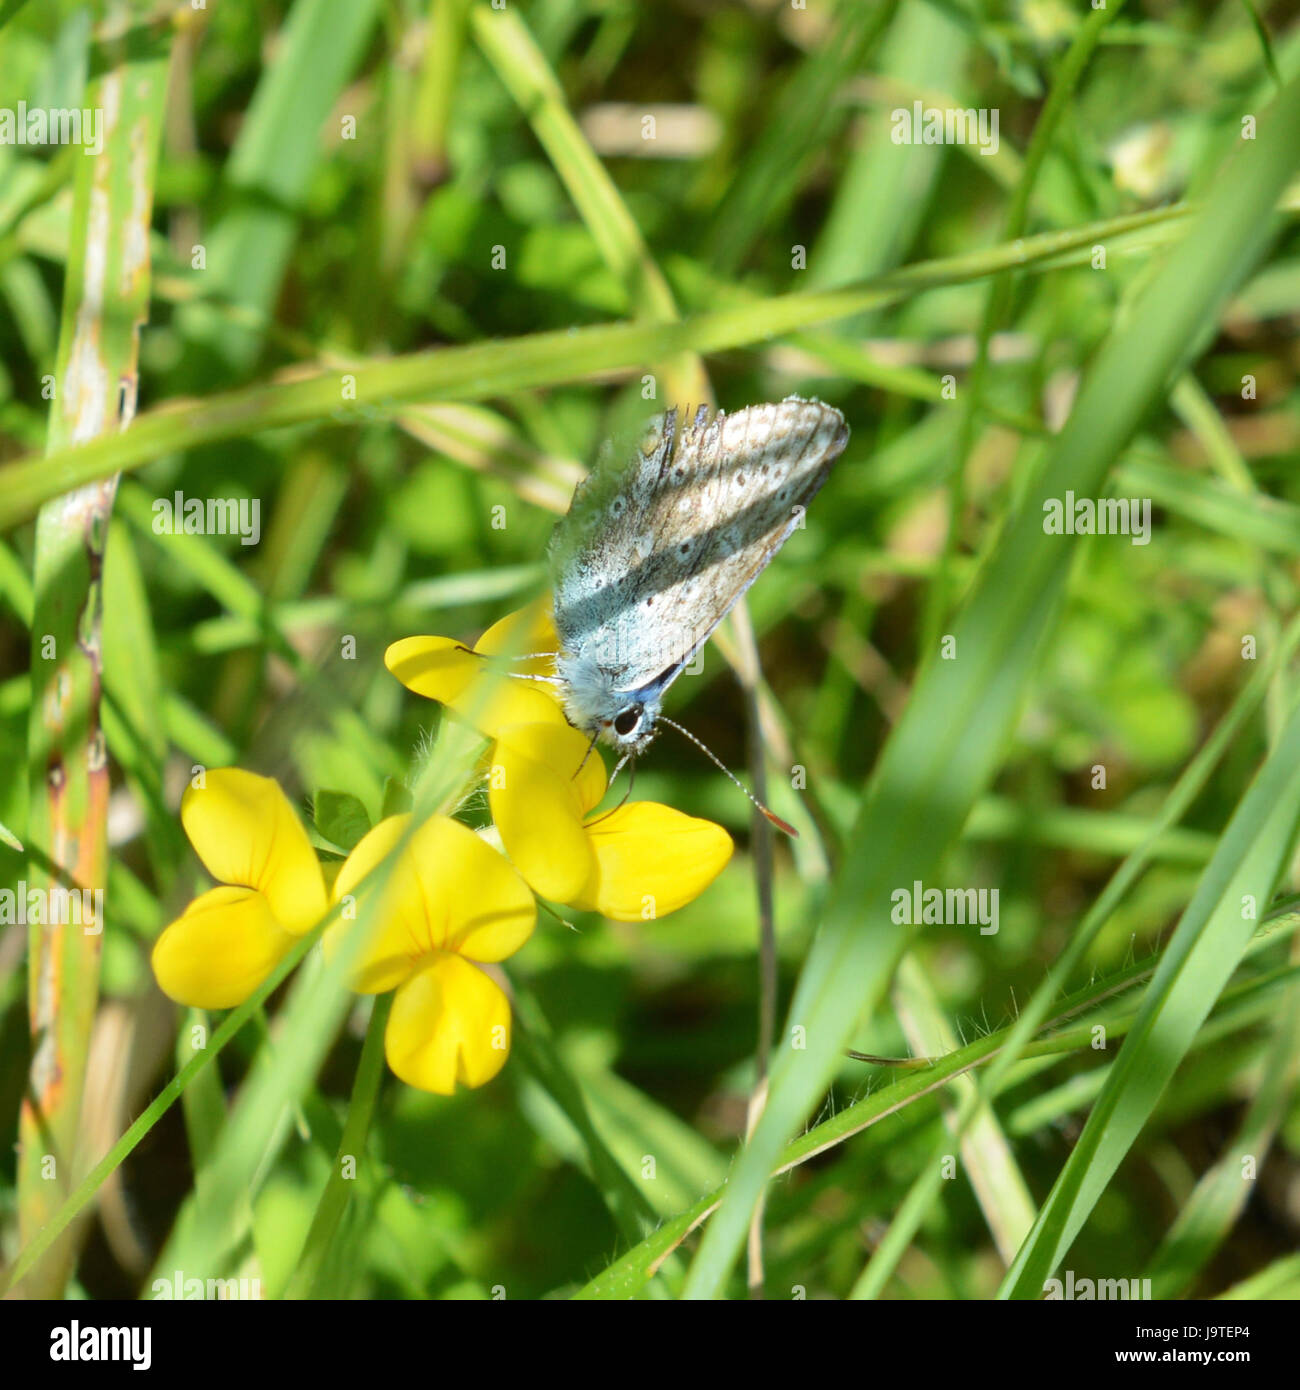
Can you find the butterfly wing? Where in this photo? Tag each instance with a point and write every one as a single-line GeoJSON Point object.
{"type": "Point", "coordinates": [658, 546]}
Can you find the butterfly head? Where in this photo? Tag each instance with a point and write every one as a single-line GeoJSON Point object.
{"type": "Point", "coordinates": [632, 729]}
{"type": "Point", "coordinates": [629, 719]}
{"type": "Point", "coordinates": [624, 719]}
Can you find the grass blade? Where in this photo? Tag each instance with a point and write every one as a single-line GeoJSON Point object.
{"type": "Point", "coordinates": [1201, 956]}
{"type": "Point", "coordinates": [505, 40]}
{"type": "Point", "coordinates": [539, 359]}
{"type": "Point", "coordinates": [944, 751]}
{"type": "Point", "coordinates": [105, 299]}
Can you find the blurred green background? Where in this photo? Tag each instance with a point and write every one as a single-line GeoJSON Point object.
{"type": "Point", "coordinates": [334, 182]}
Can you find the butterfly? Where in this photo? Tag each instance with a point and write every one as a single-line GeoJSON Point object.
{"type": "Point", "coordinates": [657, 547]}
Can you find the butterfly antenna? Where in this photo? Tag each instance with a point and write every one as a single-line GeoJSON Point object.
{"type": "Point", "coordinates": [726, 771]}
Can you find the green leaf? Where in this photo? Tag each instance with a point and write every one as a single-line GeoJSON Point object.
{"type": "Point", "coordinates": [397, 798]}
{"type": "Point", "coordinates": [949, 743]}
{"type": "Point", "coordinates": [341, 818]}
{"type": "Point", "coordinates": [1203, 953]}
{"type": "Point", "coordinates": [482, 370]}
{"type": "Point", "coordinates": [628, 1274]}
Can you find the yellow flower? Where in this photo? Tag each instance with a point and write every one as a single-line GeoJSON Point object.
{"type": "Point", "coordinates": [487, 693]}
{"type": "Point", "coordinates": [632, 864]}
{"type": "Point", "coordinates": [449, 899]}
{"type": "Point", "coordinates": [229, 939]}
{"type": "Point", "coordinates": [635, 863]}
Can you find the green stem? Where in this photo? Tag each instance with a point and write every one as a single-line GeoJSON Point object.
{"type": "Point", "coordinates": [312, 1268]}
{"type": "Point", "coordinates": [509, 46]}
{"type": "Point", "coordinates": [105, 300]}
{"type": "Point", "coordinates": [481, 370]}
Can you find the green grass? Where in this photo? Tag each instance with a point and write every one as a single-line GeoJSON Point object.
{"type": "Point", "coordinates": [393, 285]}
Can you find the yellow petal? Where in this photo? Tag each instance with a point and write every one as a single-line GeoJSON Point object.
{"type": "Point", "coordinates": [246, 833]}
{"type": "Point", "coordinates": [447, 890]}
{"type": "Point", "coordinates": [567, 753]}
{"type": "Point", "coordinates": [396, 931]}
{"type": "Point", "coordinates": [526, 630]}
{"type": "Point", "coordinates": [218, 952]}
{"type": "Point", "coordinates": [510, 700]}
{"type": "Point", "coordinates": [439, 668]}
{"type": "Point", "coordinates": [538, 805]}
{"type": "Point", "coordinates": [489, 910]}
{"type": "Point", "coordinates": [474, 688]}
{"type": "Point", "coordinates": [650, 860]}
{"type": "Point", "coordinates": [449, 1023]}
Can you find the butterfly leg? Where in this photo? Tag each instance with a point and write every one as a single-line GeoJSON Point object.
{"type": "Point", "coordinates": [587, 755]}
{"type": "Point", "coordinates": [631, 782]}
{"type": "Point", "coordinates": [516, 675]}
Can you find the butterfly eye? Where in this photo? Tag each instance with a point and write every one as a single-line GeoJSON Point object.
{"type": "Point", "coordinates": [625, 721]}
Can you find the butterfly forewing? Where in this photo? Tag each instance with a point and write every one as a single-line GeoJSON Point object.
{"type": "Point", "coordinates": [659, 545]}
